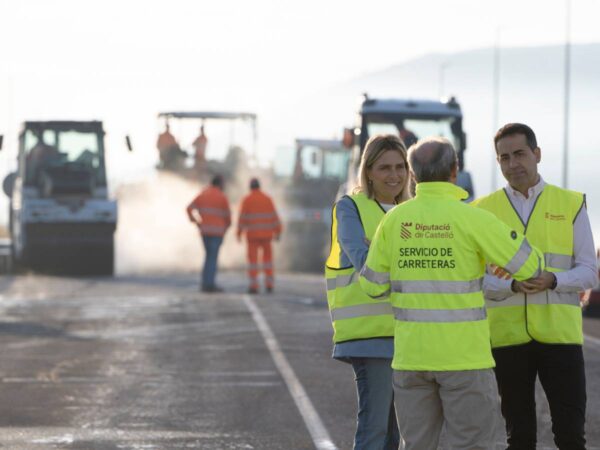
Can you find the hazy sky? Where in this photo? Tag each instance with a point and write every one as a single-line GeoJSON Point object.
{"type": "Point", "coordinates": [123, 61]}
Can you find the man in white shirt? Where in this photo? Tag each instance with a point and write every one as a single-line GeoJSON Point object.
{"type": "Point", "coordinates": [536, 325]}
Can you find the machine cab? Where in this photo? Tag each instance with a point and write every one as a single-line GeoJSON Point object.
{"type": "Point", "coordinates": [62, 158]}
{"type": "Point", "coordinates": [411, 120]}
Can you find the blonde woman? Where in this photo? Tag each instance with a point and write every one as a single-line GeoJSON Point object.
{"type": "Point", "coordinates": [363, 327]}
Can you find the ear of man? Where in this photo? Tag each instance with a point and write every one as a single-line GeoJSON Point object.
{"type": "Point", "coordinates": [453, 173]}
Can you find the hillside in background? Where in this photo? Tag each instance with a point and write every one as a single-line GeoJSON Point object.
{"type": "Point", "coordinates": [531, 91]}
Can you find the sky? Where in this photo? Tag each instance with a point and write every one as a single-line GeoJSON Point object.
{"type": "Point", "coordinates": [124, 61]}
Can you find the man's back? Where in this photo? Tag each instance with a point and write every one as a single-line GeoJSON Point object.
{"type": "Point", "coordinates": [213, 207]}
{"type": "Point", "coordinates": [434, 248]}
{"type": "Point", "coordinates": [165, 141]}
{"type": "Point", "coordinates": [258, 216]}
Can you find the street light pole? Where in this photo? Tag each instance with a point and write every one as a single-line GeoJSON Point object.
{"type": "Point", "coordinates": [565, 174]}
{"type": "Point", "coordinates": [496, 102]}
{"type": "Point", "coordinates": [442, 69]}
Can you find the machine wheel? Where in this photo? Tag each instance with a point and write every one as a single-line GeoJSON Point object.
{"type": "Point", "coordinates": [104, 263]}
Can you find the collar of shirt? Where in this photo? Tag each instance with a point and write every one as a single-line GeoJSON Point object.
{"type": "Point", "coordinates": [533, 191]}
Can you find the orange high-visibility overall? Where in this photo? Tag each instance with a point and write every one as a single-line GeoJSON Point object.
{"type": "Point", "coordinates": [259, 220]}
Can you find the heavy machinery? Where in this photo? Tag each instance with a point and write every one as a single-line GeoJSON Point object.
{"type": "Point", "coordinates": [309, 190]}
{"type": "Point", "coordinates": [411, 120]}
{"type": "Point", "coordinates": [60, 215]}
{"type": "Point", "coordinates": [227, 157]}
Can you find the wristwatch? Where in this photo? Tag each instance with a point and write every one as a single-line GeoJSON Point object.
{"type": "Point", "coordinates": [554, 283]}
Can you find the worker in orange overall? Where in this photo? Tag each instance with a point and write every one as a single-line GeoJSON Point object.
{"type": "Point", "coordinates": [199, 145]}
{"type": "Point", "coordinates": [168, 148]}
{"type": "Point", "coordinates": [258, 219]}
{"type": "Point", "coordinates": [210, 211]}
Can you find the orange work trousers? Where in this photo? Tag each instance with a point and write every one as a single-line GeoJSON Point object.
{"type": "Point", "coordinates": [254, 267]}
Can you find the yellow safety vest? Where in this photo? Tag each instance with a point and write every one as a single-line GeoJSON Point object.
{"type": "Point", "coordinates": [354, 314]}
{"type": "Point", "coordinates": [429, 256]}
{"type": "Point", "coordinates": [549, 316]}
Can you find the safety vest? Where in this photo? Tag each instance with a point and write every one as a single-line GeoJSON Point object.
{"type": "Point", "coordinates": [213, 207]}
{"type": "Point", "coordinates": [354, 314]}
{"type": "Point", "coordinates": [258, 217]}
{"type": "Point", "coordinates": [429, 257]}
{"type": "Point", "coordinates": [549, 316]}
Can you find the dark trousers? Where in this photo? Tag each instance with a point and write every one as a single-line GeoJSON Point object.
{"type": "Point", "coordinates": [561, 371]}
{"type": "Point", "coordinates": [209, 272]}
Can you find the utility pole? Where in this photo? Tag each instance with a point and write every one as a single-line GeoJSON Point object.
{"type": "Point", "coordinates": [442, 70]}
{"type": "Point", "coordinates": [565, 174]}
{"type": "Point", "coordinates": [496, 102]}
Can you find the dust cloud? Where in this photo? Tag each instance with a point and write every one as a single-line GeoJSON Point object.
{"type": "Point", "coordinates": [154, 234]}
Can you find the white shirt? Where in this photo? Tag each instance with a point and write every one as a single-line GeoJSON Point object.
{"type": "Point", "coordinates": [581, 277]}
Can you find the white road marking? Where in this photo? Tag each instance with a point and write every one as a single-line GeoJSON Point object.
{"type": "Point", "coordinates": [317, 430]}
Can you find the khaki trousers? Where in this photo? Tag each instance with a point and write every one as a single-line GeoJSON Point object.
{"type": "Point", "coordinates": [465, 401]}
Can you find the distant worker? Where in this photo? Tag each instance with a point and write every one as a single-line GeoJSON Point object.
{"type": "Point", "coordinates": [40, 155]}
{"type": "Point", "coordinates": [363, 330]}
{"type": "Point", "coordinates": [199, 145]}
{"type": "Point", "coordinates": [428, 256]}
{"type": "Point", "coordinates": [408, 137]}
{"type": "Point", "coordinates": [536, 325]}
{"type": "Point", "coordinates": [210, 211]}
{"type": "Point", "coordinates": [168, 148]}
{"type": "Point", "coordinates": [259, 220]}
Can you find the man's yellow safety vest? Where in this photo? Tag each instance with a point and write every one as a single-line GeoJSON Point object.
{"type": "Point", "coordinates": [429, 256]}
{"type": "Point", "coordinates": [549, 316]}
{"type": "Point", "coordinates": [354, 314]}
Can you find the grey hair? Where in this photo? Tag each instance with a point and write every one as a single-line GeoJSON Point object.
{"type": "Point", "coordinates": [432, 159]}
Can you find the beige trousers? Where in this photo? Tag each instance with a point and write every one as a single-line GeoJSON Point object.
{"type": "Point", "coordinates": [465, 401]}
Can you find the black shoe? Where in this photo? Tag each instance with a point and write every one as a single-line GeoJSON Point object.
{"type": "Point", "coordinates": [252, 291]}
{"type": "Point", "coordinates": [269, 289]}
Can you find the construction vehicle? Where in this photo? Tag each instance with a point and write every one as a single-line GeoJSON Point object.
{"type": "Point", "coordinates": [227, 160]}
{"type": "Point", "coordinates": [60, 214]}
{"type": "Point", "coordinates": [308, 189]}
{"type": "Point", "coordinates": [411, 120]}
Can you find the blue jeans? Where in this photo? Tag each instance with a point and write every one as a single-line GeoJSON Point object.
{"type": "Point", "coordinates": [209, 272]}
{"type": "Point", "coordinates": [376, 427]}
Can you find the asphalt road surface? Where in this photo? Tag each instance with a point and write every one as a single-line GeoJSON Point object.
{"type": "Point", "coordinates": [151, 363]}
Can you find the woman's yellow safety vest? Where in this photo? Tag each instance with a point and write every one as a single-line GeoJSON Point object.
{"type": "Point", "coordinates": [549, 316]}
{"type": "Point", "coordinates": [354, 314]}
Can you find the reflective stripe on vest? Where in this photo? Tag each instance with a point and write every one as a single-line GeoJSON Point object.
{"type": "Point", "coordinates": [439, 315]}
{"type": "Point", "coordinates": [375, 277]}
{"type": "Point", "coordinates": [562, 262]}
{"type": "Point", "coordinates": [352, 312]}
{"type": "Point", "coordinates": [549, 316]}
{"type": "Point", "coordinates": [520, 258]}
{"type": "Point", "coordinates": [542, 298]}
{"type": "Point", "coordinates": [251, 216]}
{"type": "Point", "coordinates": [213, 211]}
{"type": "Point", "coordinates": [436, 287]}
{"type": "Point", "coordinates": [341, 281]}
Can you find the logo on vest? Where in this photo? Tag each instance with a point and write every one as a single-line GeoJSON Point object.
{"type": "Point", "coordinates": [433, 231]}
{"type": "Point", "coordinates": [405, 232]}
{"type": "Point", "coordinates": [558, 217]}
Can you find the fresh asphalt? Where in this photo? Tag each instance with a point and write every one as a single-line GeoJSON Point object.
{"type": "Point", "coordinates": [148, 362]}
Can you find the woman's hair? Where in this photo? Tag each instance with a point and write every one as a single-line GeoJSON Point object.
{"type": "Point", "coordinates": [377, 146]}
